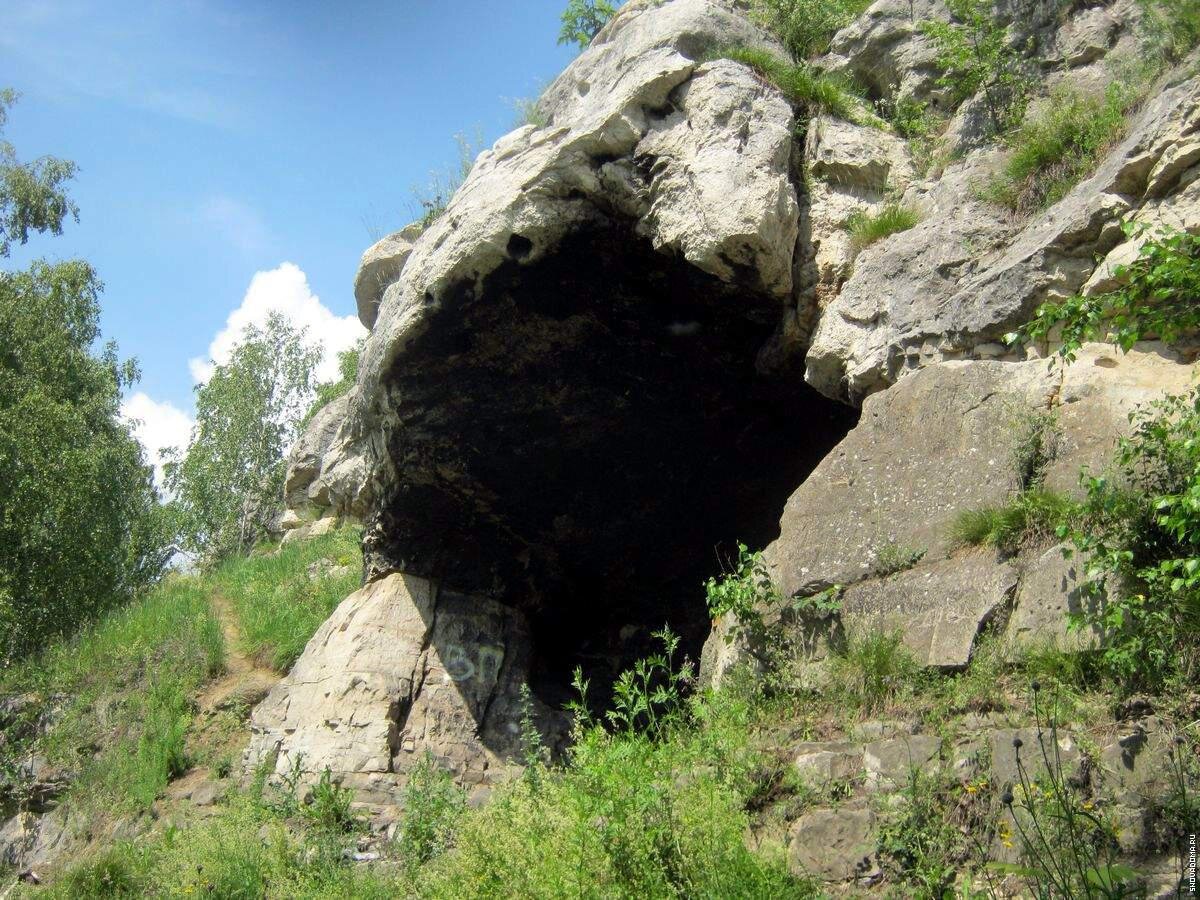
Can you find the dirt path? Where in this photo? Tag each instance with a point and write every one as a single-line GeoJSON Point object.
{"type": "Point", "coordinates": [243, 676]}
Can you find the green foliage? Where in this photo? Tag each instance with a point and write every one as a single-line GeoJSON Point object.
{"type": "Point", "coordinates": [1156, 299]}
{"type": "Point", "coordinates": [246, 851]}
{"type": "Point", "coordinates": [802, 84]}
{"type": "Point", "coordinates": [328, 391]}
{"type": "Point", "coordinates": [1170, 29]}
{"type": "Point", "coordinates": [139, 666]}
{"type": "Point", "coordinates": [115, 872]}
{"type": "Point", "coordinates": [329, 807]}
{"type": "Point", "coordinates": [1055, 150]}
{"type": "Point", "coordinates": [1139, 533]}
{"type": "Point", "coordinates": [80, 527]}
{"type": "Point", "coordinates": [32, 197]}
{"type": "Point", "coordinates": [1032, 516]}
{"type": "Point", "coordinates": [627, 817]}
{"type": "Point", "coordinates": [919, 837]}
{"type": "Point", "coordinates": [865, 229]}
{"type": "Point", "coordinates": [806, 26]}
{"type": "Point", "coordinates": [228, 484]}
{"type": "Point", "coordinates": [744, 591]}
{"type": "Point", "coordinates": [1038, 442]}
{"type": "Point", "coordinates": [1068, 848]}
{"type": "Point", "coordinates": [433, 807]}
{"type": "Point", "coordinates": [647, 697]}
{"type": "Point", "coordinates": [872, 670]}
{"type": "Point", "coordinates": [975, 55]}
{"type": "Point", "coordinates": [583, 19]}
{"type": "Point", "coordinates": [892, 558]}
{"type": "Point", "coordinates": [910, 117]}
{"type": "Point", "coordinates": [278, 604]}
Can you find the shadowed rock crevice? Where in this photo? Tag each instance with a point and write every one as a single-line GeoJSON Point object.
{"type": "Point", "coordinates": [584, 437]}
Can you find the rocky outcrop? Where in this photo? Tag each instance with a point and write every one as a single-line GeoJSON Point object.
{"type": "Point", "coordinates": [945, 440]}
{"type": "Point", "coordinates": [402, 668]}
{"type": "Point", "coordinates": [640, 332]}
{"type": "Point", "coordinates": [327, 477]}
{"type": "Point", "coordinates": [380, 268]}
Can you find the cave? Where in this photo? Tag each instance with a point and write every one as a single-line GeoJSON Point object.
{"type": "Point", "coordinates": [585, 435]}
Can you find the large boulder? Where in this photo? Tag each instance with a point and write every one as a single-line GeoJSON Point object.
{"type": "Point", "coordinates": [400, 669]}
{"type": "Point", "coordinates": [945, 440]}
{"type": "Point", "coordinates": [380, 266]}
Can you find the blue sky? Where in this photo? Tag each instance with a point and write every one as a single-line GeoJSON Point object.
{"type": "Point", "coordinates": [218, 140]}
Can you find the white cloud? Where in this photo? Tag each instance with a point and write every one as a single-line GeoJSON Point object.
{"type": "Point", "coordinates": [284, 290]}
{"type": "Point", "coordinates": [157, 426]}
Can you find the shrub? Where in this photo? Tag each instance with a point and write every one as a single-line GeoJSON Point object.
{"type": "Point", "coordinates": [1156, 299]}
{"type": "Point", "coordinates": [865, 228]}
{"type": "Point", "coordinates": [329, 807]}
{"type": "Point", "coordinates": [1031, 517]}
{"type": "Point", "coordinates": [806, 26]}
{"type": "Point", "coordinates": [1058, 148]}
{"type": "Point", "coordinates": [917, 834]}
{"type": "Point", "coordinates": [1140, 529]}
{"type": "Point", "coordinates": [433, 806]}
{"type": "Point", "coordinates": [627, 817]}
{"type": "Point", "coordinates": [910, 117]}
{"type": "Point", "coordinates": [1140, 532]}
{"type": "Point", "coordinates": [583, 19]}
{"type": "Point", "coordinates": [803, 85]}
{"type": "Point", "coordinates": [975, 55]}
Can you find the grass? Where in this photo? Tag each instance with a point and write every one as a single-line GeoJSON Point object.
{"type": "Point", "coordinates": [1058, 148]}
{"type": "Point", "coordinates": [806, 26]}
{"type": "Point", "coordinates": [122, 690]}
{"type": "Point", "coordinates": [865, 229]}
{"type": "Point", "coordinates": [1029, 518]}
{"type": "Point", "coordinates": [873, 671]}
{"type": "Point", "coordinates": [278, 605]}
{"type": "Point", "coordinates": [803, 85]}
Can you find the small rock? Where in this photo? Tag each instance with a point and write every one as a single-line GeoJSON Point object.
{"type": "Point", "coordinates": [835, 844]}
{"type": "Point", "coordinates": [823, 762]}
{"type": "Point", "coordinates": [207, 793]}
{"type": "Point", "coordinates": [890, 763]}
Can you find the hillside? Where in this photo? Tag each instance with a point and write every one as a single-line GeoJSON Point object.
{"type": "Point", "coordinates": [775, 472]}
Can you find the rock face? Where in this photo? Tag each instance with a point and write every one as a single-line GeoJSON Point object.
{"type": "Point", "coordinates": [953, 286]}
{"type": "Point", "coordinates": [379, 268]}
{"type": "Point", "coordinates": [640, 333]}
{"type": "Point", "coordinates": [400, 668]}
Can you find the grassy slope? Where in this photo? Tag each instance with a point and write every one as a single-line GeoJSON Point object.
{"type": "Point", "coordinates": [625, 816]}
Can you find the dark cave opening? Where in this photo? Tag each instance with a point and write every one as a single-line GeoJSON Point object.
{"type": "Point", "coordinates": [586, 437]}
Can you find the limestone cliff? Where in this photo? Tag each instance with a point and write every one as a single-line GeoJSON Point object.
{"type": "Point", "coordinates": [640, 332]}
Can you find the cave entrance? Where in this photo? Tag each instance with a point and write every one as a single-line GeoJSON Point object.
{"type": "Point", "coordinates": [585, 436]}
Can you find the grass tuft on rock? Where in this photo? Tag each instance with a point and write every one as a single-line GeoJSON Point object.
{"type": "Point", "coordinates": [866, 229]}
{"type": "Point", "coordinates": [803, 85]}
{"type": "Point", "coordinates": [1055, 150]}
{"type": "Point", "coordinates": [1029, 518]}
